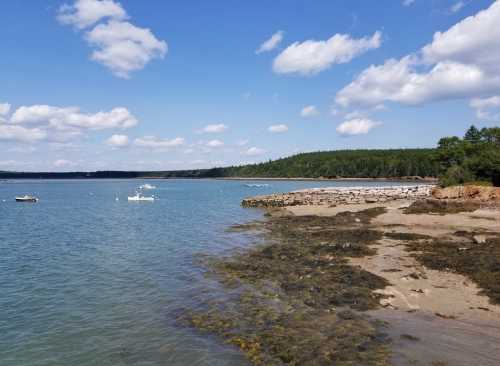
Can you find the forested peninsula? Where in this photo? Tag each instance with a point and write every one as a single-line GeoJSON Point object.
{"type": "Point", "coordinates": [455, 160]}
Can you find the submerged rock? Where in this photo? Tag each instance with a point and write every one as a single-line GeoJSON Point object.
{"type": "Point", "coordinates": [296, 300]}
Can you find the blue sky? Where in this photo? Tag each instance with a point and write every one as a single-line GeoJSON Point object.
{"type": "Point", "coordinates": [150, 84]}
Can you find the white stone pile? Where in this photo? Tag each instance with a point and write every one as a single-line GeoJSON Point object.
{"type": "Point", "coordinates": [333, 196]}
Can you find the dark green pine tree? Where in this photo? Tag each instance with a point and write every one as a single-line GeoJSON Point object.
{"type": "Point", "coordinates": [473, 135]}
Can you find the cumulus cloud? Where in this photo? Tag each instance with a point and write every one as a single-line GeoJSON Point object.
{"type": "Point", "coordinates": [254, 151]}
{"type": "Point", "coordinates": [123, 47]}
{"type": "Point", "coordinates": [462, 62]}
{"type": "Point", "coordinates": [358, 126]}
{"type": "Point", "coordinates": [118, 141]}
{"type": "Point", "coordinates": [63, 163]}
{"type": "Point", "coordinates": [311, 57]}
{"type": "Point", "coordinates": [354, 115]}
{"type": "Point", "coordinates": [491, 102]}
{"type": "Point", "coordinates": [215, 143]}
{"type": "Point", "coordinates": [487, 109]}
{"type": "Point", "coordinates": [214, 128]}
{"type": "Point", "coordinates": [8, 163]}
{"type": "Point", "coordinates": [242, 142]}
{"type": "Point", "coordinates": [4, 109]}
{"type": "Point", "coordinates": [455, 8]}
{"type": "Point", "coordinates": [278, 128]}
{"type": "Point", "coordinates": [84, 13]}
{"type": "Point", "coordinates": [271, 43]}
{"type": "Point", "coordinates": [154, 142]}
{"type": "Point", "coordinates": [21, 134]}
{"type": "Point", "coordinates": [119, 45]}
{"type": "Point", "coordinates": [309, 111]}
{"type": "Point", "coordinates": [67, 118]}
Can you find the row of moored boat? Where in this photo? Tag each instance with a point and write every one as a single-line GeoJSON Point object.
{"type": "Point", "coordinates": [138, 195]}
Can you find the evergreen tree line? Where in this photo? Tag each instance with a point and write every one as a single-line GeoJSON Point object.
{"type": "Point", "coordinates": [345, 163]}
{"type": "Point", "coordinates": [475, 157]}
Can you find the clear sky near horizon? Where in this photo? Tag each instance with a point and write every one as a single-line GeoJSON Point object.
{"type": "Point", "coordinates": [150, 84]}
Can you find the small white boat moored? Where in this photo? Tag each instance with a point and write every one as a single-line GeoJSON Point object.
{"type": "Point", "coordinates": [147, 186]}
{"type": "Point", "coordinates": [140, 197]}
{"type": "Point", "coordinates": [26, 198]}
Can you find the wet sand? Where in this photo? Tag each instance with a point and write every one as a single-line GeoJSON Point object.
{"type": "Point", "coordinates": [434, 316]}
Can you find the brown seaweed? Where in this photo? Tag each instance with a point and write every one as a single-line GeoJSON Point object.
{"type": "Point", "coordinates": [441, 207]}
{"type": "Point", "coordinates": [298, 299]}
{"type": "Point", "coordinates": [479, 262]}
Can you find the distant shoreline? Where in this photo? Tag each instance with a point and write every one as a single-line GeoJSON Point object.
{"type": "Point", "coordinates": [398, 179]}
{"type": "Point", "coordinates": [66, 176]}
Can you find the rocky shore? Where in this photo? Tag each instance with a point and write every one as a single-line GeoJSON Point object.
{"type": "Point", "coordinates": [364, 276]}
{"type": "Point", "coordinates": [340, 195]}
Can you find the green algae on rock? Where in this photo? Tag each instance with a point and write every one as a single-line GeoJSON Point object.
{"type": "Point", "coordinates": [270, 333]}
{"type": "Point", "coordinates": [296, 300]}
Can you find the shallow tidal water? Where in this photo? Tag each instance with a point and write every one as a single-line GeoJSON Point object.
{"type": "Point", "coordinates": [86, 279]}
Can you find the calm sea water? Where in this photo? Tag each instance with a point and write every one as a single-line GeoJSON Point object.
{"type": "Point", "coordinates": [89, 280]}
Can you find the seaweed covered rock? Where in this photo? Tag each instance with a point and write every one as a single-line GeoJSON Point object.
{"type": "Point", "coordinates": [479, 261]}
{"type": "Point", "coordinates": [296, 299]}
{"type": "Point", "coordinates": [441, 206]}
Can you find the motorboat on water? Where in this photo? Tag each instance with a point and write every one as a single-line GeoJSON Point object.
{"type": "Point", "coordinates": [26, 198]}
{"type": "Point", "coordinates": [140, 197]}
{"type": "Point", "coordinates": [147, 186]}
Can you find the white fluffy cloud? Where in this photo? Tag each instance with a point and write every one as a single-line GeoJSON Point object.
{"type": "Point", "coordinates": [4, 109]}
{"type": "Point", "coordinates": [118, 141]}
{"type": "Point", "coordinates": [67, 118]}
{"type": "Point", "coordinates": [462, 62]}
{"type": "Point", "coordinates": [123, 47]}
{"type": "Point", "coordinates": [312, 57]}
{"type": "Point", "coordinates": [59, 124]}
{"type": "Point", "coordinates": [21, 134]}
{"type": "Point", "coordinates": [84, 13]}
{"type": "Point", "coordinates": [278, 128]}
{"type": "Point", "coordinates": [63, 163]}
{"type": "Point", "coordinates": [309, 111]}
{"type": "Point", "coordinates": [215, 143]}
{"type": "Point", "coordinates": [491, 102]}
{"type": "Point", "coordinates": [271, 43]}
{"type": "Point", "coordinates": [119, 45]}
{"type": "Point", "coordinates": [358, 126]}
{"type": "Point", "coordinates": [254, 151]}
{"type": "Point", "coordinates": [154, 142]}
{"type": "Point", "coordinates": [487, 109]}
{"type": "Point", "coordinates": [214, 128]}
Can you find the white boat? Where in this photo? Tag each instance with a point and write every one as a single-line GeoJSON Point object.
{"type": "Point", "coordinates": [147, 186]}
{"type": "Point", "coordinates": [257, 185]}
{"type": "Point", "coordinates": [26, 198]}
{"type": "Point", "coordinates": [140, 197]}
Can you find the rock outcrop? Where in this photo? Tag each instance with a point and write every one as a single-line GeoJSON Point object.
{"type": "Point", "coordinates": [479, 193]}
{"type": "Point", "coordinates": [340, 195]}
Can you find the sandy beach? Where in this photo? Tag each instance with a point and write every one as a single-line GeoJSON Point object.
{"type": "Point", "coordinates": [445, 310]}
{"type": "Point", "coordinates": [432, 314]}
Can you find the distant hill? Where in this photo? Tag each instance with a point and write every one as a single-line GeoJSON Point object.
{"type": "Point", "coordinates": [394, 163]}
{"type": "Point", "coordinates": [346, 164]}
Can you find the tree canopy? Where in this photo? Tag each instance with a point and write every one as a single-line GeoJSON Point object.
{"type": "Point", "coordinates": [475, 157]}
